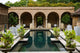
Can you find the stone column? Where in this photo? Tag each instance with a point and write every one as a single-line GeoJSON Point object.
{"type": "Point", "coordinates": [46, 23]}
{"type": "Point", "coordinates": [46, 20]}
{"type": "Point", "coordinates": [33, 23]}
{"type": "Point", "coordinates": [59, 21]}
{"type": "Point", "coordinates": [19, 20]}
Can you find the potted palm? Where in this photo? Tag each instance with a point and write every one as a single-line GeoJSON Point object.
{"type": "Point", "coordinates": [70, 44]}
{"type": "Point", "coordinates": [56, 32]}
{"type": "Point", "coordinates": [7, 41]}
{"type": "Point", "coordinates": [21, 32]}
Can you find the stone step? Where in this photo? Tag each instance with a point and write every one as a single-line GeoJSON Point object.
{"type": "Point", "coordinates": [24, 39]}
{"type": "Point", "coordinates": [41, 52]}
{"type": "Point", "coordinates": [54, 39]}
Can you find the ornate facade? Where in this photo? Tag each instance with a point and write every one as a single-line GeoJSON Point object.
{"type": "Point", "coordinates": [51, 15]}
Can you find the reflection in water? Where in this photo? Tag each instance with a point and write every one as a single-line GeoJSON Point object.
{"type": "Point", "coordinates": [38, 41]}
{"type": "Point", "coordinates": [52, 45]}
{"type": "Point", "coordinates": [49, 34]}
{"type": "Point", "coordinates": [26, 45]}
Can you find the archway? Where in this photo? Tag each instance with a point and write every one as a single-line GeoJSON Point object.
{"type": "Point", "coordinates": [13, 19]}
{"type": "Point", "coordinates": [66, 18]}
{"type": "Point", "coordinates": [53, 18]}
{"type": "Point", "coordinates": [39, 19]}
{"type": "Point", "coordinates": [26, 18]}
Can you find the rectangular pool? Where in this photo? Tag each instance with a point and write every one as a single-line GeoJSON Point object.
{"type": "Point", "coordinates": [38, 41]}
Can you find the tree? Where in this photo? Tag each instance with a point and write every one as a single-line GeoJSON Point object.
{"type": "Point", "coordinates": [17, 4]}
{"type": "Point", "coordinates": [77, 5]}
{"type": "Point", "coordinates": [46, 3]}
{"type": "Point", "coordinates": [13, 20]}
{"type": "Point", "coordinates": [39, 20]}
{"type": "Point", "coordinates": [41, 1]}
{"type": "Point", "coordinates": [8, 3]}
{"type": "Point", "coordinates": [66, 19]}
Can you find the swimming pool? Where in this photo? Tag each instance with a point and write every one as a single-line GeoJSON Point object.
{"type": "Point", "coordinates": [38, 41]}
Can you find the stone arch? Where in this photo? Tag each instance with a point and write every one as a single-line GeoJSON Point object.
{"type": "Point", "coordinates": [68, 14]}
{"type": "Point", "coordinates": [53, 18]}
{"type": "Point", "coordinates": [15, 15]}
{"type": "Point", "coordinates": [26, 18]}
{"type": "Point", "coordinates": [43, 17]}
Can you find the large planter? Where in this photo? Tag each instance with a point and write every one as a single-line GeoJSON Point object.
{"type": "Point", "coordinates": [70, 49]}
{"type": "Point", "coordinates": [54, 39]}
{"type": "Point", "coordinates": [5, 50]}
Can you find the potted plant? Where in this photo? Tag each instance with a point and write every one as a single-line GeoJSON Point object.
{"type": "Point", "coordinates": [7, 41]}
{"type": "Point", "coordinates": [56, 32]}
{"type": "Point", "coordinates": [70, 44]}
{"type": "Point", "coordinates": [21, 31]}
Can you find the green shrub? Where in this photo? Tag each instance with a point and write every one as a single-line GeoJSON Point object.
{"type": "Point", "coordinates": [13, 20]}
{"type": "Point", "coordinates": [56, 32]}
{"type": "Point", "coordinates": [66, 19]}
{"type": "Point", "coordinates": [7, 40]}
{"type": "Point", "coordinates": [77, 5]}
{"type": "Point", "coordinates": [21, 31]}
{"type": "Point", "coordinates": [45, 4]}
{"type": "Point", "coordinates": [70, 36]}
{"type": "Point", "coordinates": [70, 4]}
{"type": "Point", "coordinates": [60, 4]}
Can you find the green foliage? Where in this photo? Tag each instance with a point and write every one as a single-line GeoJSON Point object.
{"type": "Point", "coordinates": [66, 19]}
{"type": "Point", "coordinates": [17, 4]}
{"type": "Point", "coordinates": [21, 31]}
{"type": "Point", "coordinates": [59, 5]}
{"type": "Point", "coordinates": [9, 3]}
{"type": "Point", "coordinates": [77, 5]}
{"type": "Point", "coordinates": [13, 20]}
{"type": "Point", "coordinates": [32, 4]}
{"type": "Point", "coordinates": [45, 3]}
{"type": "Point", "coordinates": [56, 32]}
{"type": "Point", "coordinates": [77, 38]}
{"type": "Point", "coordinates": [70, 36]}
{"type": "Point", "coordinates": [39, 20]}
{"type": "Point", "coordinates": [7, 40]}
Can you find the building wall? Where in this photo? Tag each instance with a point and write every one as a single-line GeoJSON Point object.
{"type": "Point", "coordinates": [76, 21]}
{"type": "Point", "coordinates": [3, 17]}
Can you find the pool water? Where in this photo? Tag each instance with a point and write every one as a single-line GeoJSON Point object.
{"type": "Point", "coordinates": [39, 41]}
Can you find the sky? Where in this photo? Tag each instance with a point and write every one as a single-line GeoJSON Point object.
{"type": "Point", "coordinates": [3, 1]}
